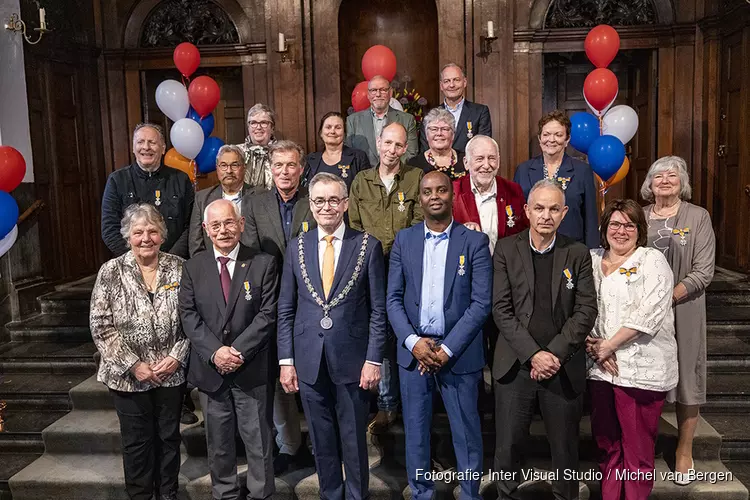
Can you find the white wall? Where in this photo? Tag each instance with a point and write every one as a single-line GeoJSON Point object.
{"type": "Point", "coordinates": [14, 108]}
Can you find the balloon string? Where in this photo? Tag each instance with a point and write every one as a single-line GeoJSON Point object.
{"type": "Point", "coordinates": [603, 188]}
{"type": "Point", "coordinates": [185, 81]}
{"type": "Point", "coordinates": [601, 125]}
{"type": "Point", "coordinates": [194, 164]}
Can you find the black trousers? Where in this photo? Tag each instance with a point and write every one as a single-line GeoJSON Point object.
{"type": "Point", "coordinates": [150, 429]}
{"type": "Point", "coordinates": [516, 396]}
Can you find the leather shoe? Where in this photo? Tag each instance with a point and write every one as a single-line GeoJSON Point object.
{"type": "Point", "coordinates": [381, 422]}
{"type": "Point", "coordinates": [188, 417]}
{"type": "Point", "coordinates": [281, 463]}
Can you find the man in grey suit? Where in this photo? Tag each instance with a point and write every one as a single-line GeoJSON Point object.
{"type": "Point", "coordinates": [230, 170]}
{"type": "Point", "coordinates": [363, 127]}
{"type": "Point", "coordinates": [228, 297]}
{"type": "Point", "coordinates": [273, 218]}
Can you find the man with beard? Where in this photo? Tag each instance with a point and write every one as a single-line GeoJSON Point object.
{"type": "Point", "coordinates": [438, 301]}
{"type": "Point", "coordinates": [147, 180]}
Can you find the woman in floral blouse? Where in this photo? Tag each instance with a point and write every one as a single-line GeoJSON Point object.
{"type": "Point", "coordinates": [632, 348]}
{"type": "Point", "coordinates": [261, 124]}
{"type": "Point", "coordinates": [136, 327]}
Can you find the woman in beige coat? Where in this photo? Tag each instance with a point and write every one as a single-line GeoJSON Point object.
{"type": "Point", "coordinates": [683, 232]}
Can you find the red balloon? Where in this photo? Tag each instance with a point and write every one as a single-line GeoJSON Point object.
{"type": "Point", "coordinates": [600, 88]}
{"type": "Point", "coordinates": [359, 97]}
{"type": "Point", "coordinates": [601, 45]}
{"type": "Point", "coordinates": [12, 168]}
{"type": "Point", "coordinates": [186, 58]}
{"type": "Point", "coordinates": [204, 95]}
{"type": "Point", "coordinates": [379, 60]}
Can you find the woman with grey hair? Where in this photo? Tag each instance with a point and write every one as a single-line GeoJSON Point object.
{"type": "Point", "coordinates": [136, 327]}
{"type": "Point", "coordinates": [440, 127]}
{"type": "Point", "coordinates": [684, 234]}
{"type": "Point", "coordinates": [261, 124]}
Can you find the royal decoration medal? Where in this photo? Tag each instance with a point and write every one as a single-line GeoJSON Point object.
{"type": "Point", "coordinates": [511, 218]}
{"type": "Point", "coordinates": [563, 182]}
{"type": "Point", "coordinates": [157, 194]}
{"type": "Point", "coordinates": [344, 171]}
{"type": "Point", "coordinates": [305, 226]}
{"type": "Point", "coordinates": [469, 133]}
{"type": "Point", "coordinates": [682, 232]}
{"type": "Point", "coordinates": [401, 198]}
{"type": "Point", "coordinates": [461, 262]}
{"type": "Point", "coordinates": [628, 272]}
{"type": "Point", "coordinates": [569, 276]}
{"type": "Point", "coordinates": [248, 295]}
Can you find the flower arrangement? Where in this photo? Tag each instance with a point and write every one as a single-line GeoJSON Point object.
{"type": "Point", "coordinates": [412, 102]}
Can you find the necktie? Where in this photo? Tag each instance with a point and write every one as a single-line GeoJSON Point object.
{"type": "Point", "coordinates": [226, 280]}
{"type": "Point", "coordinates": [328, 264]}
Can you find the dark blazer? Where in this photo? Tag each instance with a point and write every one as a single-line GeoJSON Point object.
{"type": "Point", "coordinates": [574, 309]}
{"type": "Point", "coordinates": [263, 222]}
{"type": "Point", "coordinates": [508, 194]}
{"type": "Point", "coordinates": [582, 220]}
{"type": "Point", "coordinates": [198, 239]}
{"type": "Point", "coordinates": [358, 332]}
{"type": "Point", "coordinates": [467, 301]}
{"type": "Point", "coordinates": [356, 159]}
{"type": "Point", "coordinates": [246, 324]}
{"type": "Point", "coordinates": [481, 124]}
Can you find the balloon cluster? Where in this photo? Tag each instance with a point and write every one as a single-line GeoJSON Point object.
{"type": "Point", "coordinates": [12, 170]}
{"type": "Point", "coordinates": [190, 107]}
{"type": "Point", "coordinates": [378, 60]}
{"type": "Point", "coordinates": [603, 135]}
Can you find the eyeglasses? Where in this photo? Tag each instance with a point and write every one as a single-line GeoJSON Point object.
{"type": "Point", "coordinates": [226, 166]}
{"type": "Point", "coordinates": [261, 124]}
{"type": "Point", "coordinates": [319, 203]}
{"type": "Point", "coordinates": [615, 226]}
{"type": "Point", "coordinates": [215, 227]}
{"type": "Point", "coordinates": [384, 90]}
{"type": "Point", "coordinates": [435, 130]}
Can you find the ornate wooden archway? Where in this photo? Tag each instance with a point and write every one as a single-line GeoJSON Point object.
{"type": "Point", "coordinates": [663, 10]}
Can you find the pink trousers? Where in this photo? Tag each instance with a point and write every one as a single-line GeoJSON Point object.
{"type": "Point", "coordinates": [625, 424]}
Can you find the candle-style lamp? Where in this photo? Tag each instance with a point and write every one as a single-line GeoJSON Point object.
{"type": "Point", "coordinates": [14, 23]}
{"type": "Point", "coordinates": [485, 42]}
{"type": "Point", "coordinates": [283, 49]}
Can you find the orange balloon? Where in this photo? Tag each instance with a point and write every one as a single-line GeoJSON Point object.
{"type": "Point", "coordinates": [176, 160]}
{"type": "Point", "coordinates": [620, 175]}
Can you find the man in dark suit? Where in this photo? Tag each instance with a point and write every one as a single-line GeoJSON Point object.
{"type": "Point", "coordinates": [331, 334]}
{"type": "Point", "coordinates": [227, 301]}
{"type": "Point", "coordinates": [273, 219]}
{"type": "Point", "coordinates": [472, 118]}
{"type": "Point", "coordinates": [230, 170]}
{"type": "Point", "coordinates": [544, 305]}
{"type": "Point", "coordinates": [439, 297]}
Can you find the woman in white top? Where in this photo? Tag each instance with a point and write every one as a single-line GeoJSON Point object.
{"type": "Point", "coordinates": [632, 350]}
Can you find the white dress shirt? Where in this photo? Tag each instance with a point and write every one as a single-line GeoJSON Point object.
{"type": "Point", "coordinates": [487, 208]}
{"type": "Point", "coordinates": [232, 259]}
{"type": "Point", "coordinates": [456, 112]}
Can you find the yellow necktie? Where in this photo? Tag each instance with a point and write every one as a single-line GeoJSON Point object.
{"type": "Point", "coordinates": [328, 264]}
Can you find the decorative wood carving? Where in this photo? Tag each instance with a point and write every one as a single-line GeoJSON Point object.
{"type": "Point", "coordinates": [585, 13]}
{"type": "Point", "coordinates": [201, 22]}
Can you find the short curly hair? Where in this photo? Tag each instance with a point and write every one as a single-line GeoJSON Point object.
{"type": "Point", "coordinates": [139, 212]}
{"type": "Point", "coordinates": [554, 116]}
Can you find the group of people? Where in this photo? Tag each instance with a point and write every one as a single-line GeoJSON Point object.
{"type": "Point", "coordinates": [400, 266]}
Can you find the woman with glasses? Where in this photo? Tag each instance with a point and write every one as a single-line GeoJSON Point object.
{"type": "Point", "coordinates": [261, 123]}
{"type": "Point", "coordinates": [632, 350]}
{"type": "Point", "coordinates": [336, 157]}
{"type": "Point", "coordinates": [440, 127]}
{"type": "Point", "coordinates": [684, 234]}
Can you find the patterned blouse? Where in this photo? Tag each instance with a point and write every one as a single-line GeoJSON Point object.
{"type": "Point", "coordinates": [257, 165]}
{"type": "Point", "coordinates": [637, 296]}
{"type": "Point", "coordinates": [127, 327]}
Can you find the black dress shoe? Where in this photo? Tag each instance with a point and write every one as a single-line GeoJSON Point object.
{"type": "Point", "coordinates": [188, 417]}
{"type": "Point", "coordinates": [281, 463]}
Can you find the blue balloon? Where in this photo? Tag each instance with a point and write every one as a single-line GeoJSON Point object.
{"type": "Point", "coordinates": [606, 155]}
{"type": "Point", "coordinates": [584, 129]}
{"type": "Point", "coordinates": [207, 123]}
{"type": "Point", "coordinates": [206, 159]}
{"type": "Point", "coordinates": [8, 213]}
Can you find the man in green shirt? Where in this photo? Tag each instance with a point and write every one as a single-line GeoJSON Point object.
{"type": "Point", "coordinates": [384, 200]}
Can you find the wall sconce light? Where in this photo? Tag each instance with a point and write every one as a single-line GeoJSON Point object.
{"type": "Point", "coordinates": [485, 42]}
{"type": "Point", "coordinates": [284, 48]}
{"type": "Point", "coordinates": [15, 24]}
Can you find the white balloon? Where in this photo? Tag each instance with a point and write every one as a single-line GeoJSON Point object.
{"type": "Point", "coordinates": [187, 137]}
{"type": "Point", "coordinates": [172, 99]}
{"type": "Point", "coordinates": [8, 240]}
{"type": "Point", "coordinates": [622, 122]}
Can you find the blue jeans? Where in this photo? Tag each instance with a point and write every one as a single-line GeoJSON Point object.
{"type": "Point", "coordinates": [388, 388]}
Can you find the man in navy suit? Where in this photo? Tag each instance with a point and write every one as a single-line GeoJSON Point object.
{"type": "Point", "coordinates": [439, 297]}
{"type": "Point", "coordinates": [471, 118]}
{"type": "Point", "coordinates": [331, 335]}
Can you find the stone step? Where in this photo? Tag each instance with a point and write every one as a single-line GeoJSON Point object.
{"type": "Point", "coordinates": [738, 314]}
{"type": "Point", "coordinates": [65, 301]}
{"type": "Point", "coordinates": [10, 464]}
{"type": "Point", "coordinates": [23, 430]}
{"type": "Point", "coordinates": [41, 392]}
{"type": "Point", "coordinates": [727, 393]}
{"type": "Point", "coordinates": [47, 357]}
{"type": "Point", "coordinates": [735, 433]}
{"type": "Point", "coordinates": [85, 284]}
{"type": "Point", "coordinates": [728, 292]}
{"type": "Point", "coordinates": [50, 328]}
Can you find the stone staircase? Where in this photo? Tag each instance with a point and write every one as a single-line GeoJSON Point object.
{"type": "Point", "coordinates": [77, 454]}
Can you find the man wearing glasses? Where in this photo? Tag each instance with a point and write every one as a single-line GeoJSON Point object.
{"type": "Point", "coordinates": [472, 118]}
{"type": "Point", "coordinates": [363, 127]}
{"type": "Point", "coordinates": [261, 124]}
{"type": "Point", "coordinates": [331, 319]}
{"type": "Point", "coordinates": [230, 170]}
